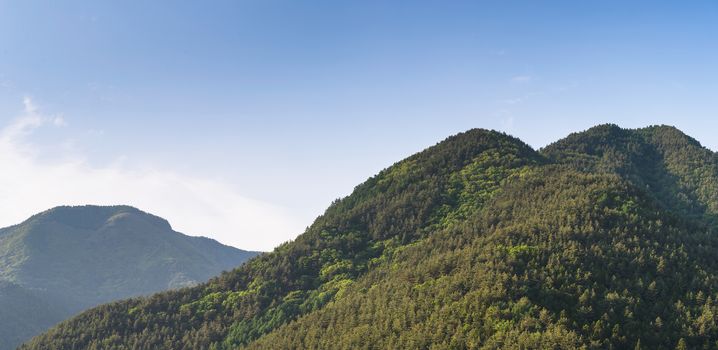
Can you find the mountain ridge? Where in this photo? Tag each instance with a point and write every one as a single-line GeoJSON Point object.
{"type": "Point", "coordinates": [75, 257]}
{"type": "Point", "coordinates": [602, 239]}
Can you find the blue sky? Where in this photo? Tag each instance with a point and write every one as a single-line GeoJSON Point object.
{"type": "Point", "coordinates": [242, 120]}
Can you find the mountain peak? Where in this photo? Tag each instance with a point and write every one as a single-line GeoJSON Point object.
{"type": "Point", "coordinates": [662, 159]}
{"type": "Point", "coordinates": [93, 217]}
{"type": "Point", "coordinates": [669, 136]}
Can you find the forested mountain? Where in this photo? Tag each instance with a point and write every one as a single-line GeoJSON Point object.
{"type": "Point", "coordinates": [67, 259]}
{"type": "Point", "coordinates": [605, 239]}
{"type": "Point", "coordinates": [24, 314]}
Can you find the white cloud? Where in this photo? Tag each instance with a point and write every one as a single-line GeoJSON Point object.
{"type": "Point", "coordinates": [95, 132]}
{"type": "Point", "coordinates": [522, 79]}
{"type": "Point", "coordinates": [505, 119]}
{"type": "Point", "coordinates": [30, 107]}
{"type": "Point", "coordinates": [512, 101]}
{"type": "Point", "coordinates": [519, 100]}
{"type": "Point", "coordinates": [29, 183]}
{"type": "Point", "coordinates": [59, 121]}
{"type": "Point", "coordinates": [507, 123]}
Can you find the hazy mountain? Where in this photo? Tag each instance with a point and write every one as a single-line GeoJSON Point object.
{"type": "Point", "coordinates": [24, 314]}
{"type": "Point", "coordinates": [67, 259]}
{"type": "Point", "coordinates": [605, 239]}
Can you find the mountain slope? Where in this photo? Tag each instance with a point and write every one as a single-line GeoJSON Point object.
{"type": "Point", "coordinates": [602, 240]}
{"type": "Point", "coordinates": [24, 314]}
{"type": "Point", "coordinates": [392, 209]}
{"type": "Point", "coordinates": [559, 259]}
{"type": "Point", "coordinates": [76, 257]}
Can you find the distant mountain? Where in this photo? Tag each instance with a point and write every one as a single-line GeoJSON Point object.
{"type": "Point", "coordinates": [67, 259]}
{"type": "Point", "coordinates": [607, 239]}
{"type": "Point", "coordinates": [24, 314]}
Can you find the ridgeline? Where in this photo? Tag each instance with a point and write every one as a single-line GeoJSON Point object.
{"type": "Point", "coordinates": [605, 239]}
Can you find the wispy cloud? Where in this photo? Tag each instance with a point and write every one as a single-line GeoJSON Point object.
{"type": "Point", "coordinates": [507, 123]}
{"type": "Point", "coordinates": [30, 107]}
{"type": "Point", "coordinates": [505, 119]}
{"type": "Point", "coordinates": [96, 132]}
{"type": "Point", "coordinates": [521, 79]}
{"type": "Point", "coordinates": [512, 101]}
{"type": "Point", "coordinates": [520, 99]}
{"type": "Point", "coordinates": [31, 118]}
{"type": "Point", "coordinates": [193, 205]}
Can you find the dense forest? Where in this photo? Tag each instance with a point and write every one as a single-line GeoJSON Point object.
{"type": "Point", "coordinates": [605, 239]}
